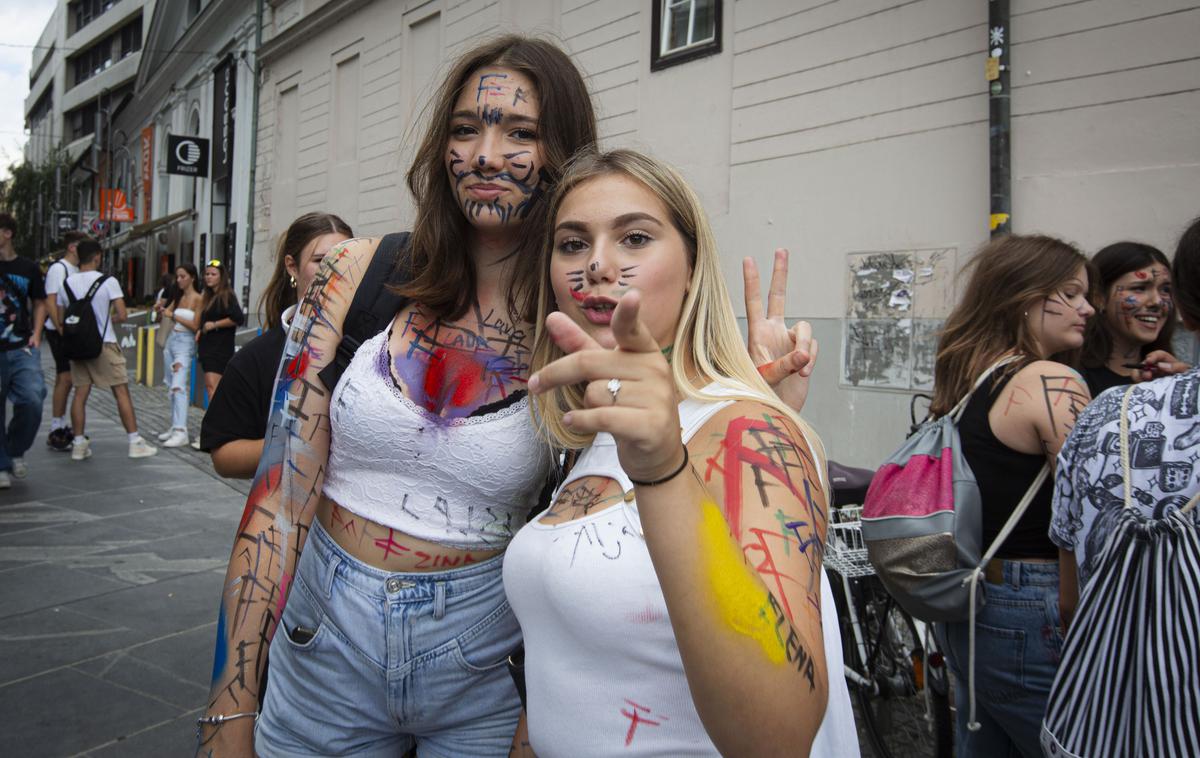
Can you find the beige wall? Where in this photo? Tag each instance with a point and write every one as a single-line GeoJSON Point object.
{"type": "Point", "coordinates": [828, 128]}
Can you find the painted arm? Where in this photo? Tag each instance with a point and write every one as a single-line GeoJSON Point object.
{"type": "Point", "coordinates": [521, 747]}
{"type": "Point", "coordinates": [739, 563]}
{"type": "Point", "coordinates": [1037, 410]}
{"type": "Point", "coordinates": [785, 357]}
{"type": "Point", "coordinates": [281, 504]}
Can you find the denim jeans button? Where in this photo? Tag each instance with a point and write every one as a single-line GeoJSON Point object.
{"type": "Point", "coordinates": [394, 585]}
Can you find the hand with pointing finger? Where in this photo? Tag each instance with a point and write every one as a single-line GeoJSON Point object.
{"type": "Point", "coordinates": [630, 393]}
{"type": "Point", "coordinates": [785, 357]}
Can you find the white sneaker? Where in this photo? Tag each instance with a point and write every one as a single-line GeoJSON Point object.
{"type": "Point", "coordinates": [178, 438]}
{"type": "Point", "coordinates": [81, 449]}
{"type": "Point", "coordinates": [164, 436]}
{"type": "Point", "coordinates": [5, 480]}
{"type": "Point", "coordinates": [141, 449]}
{"type": "Point", "coordinates": [196, 444]}
{"type": "Point", "coordinates": [20, 469]}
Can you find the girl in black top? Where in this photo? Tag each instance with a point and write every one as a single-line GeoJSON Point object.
{"type": "Point", "coordinates": [1026, 299]}
{"type": "Point", "coordinates": [220, 316]}
{"type": "Point", "coordinates": [1136, 319]}
{"type": "Point", "coordinates": [237, 415]}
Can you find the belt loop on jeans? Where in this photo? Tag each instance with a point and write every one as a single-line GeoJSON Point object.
{"type": "Point", "coordinates": [993, 572]}
{"type": "Point", "coordinates": [331, 568]}
{"type": "Point", "coordinates": [439, 600]}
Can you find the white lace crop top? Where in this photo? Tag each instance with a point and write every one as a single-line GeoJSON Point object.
{"type": "Point", "coordinates": [466, 483]}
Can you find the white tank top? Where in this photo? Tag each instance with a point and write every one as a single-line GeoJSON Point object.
{"type": "Point", "coordinates": [592, 579]}
{"type": "Point", "coordinates": [467, 483]}
{"type": "Point", "coordinates": [183, 313]}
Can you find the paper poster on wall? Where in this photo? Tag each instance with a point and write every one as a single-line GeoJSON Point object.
{"type": "Point", "coordinates": [895, 304]}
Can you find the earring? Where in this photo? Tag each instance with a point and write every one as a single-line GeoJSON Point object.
{"type": "Point", "coordinates": [292, 281]}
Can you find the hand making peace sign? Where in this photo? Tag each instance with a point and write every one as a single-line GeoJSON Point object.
{"type": "Point", "coordinates": [785, 357]}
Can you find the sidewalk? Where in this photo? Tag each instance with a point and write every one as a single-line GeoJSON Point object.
{"type": "Point", "coordinates": [110, 575]}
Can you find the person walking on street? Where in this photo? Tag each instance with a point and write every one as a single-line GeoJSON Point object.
{"type": "Point", "coordinates": [22, 309]}
{"type": "Point", "coordinates": [219, 319]}
{"type": "Point", "coordinates": [181, 314]}
{"type": "Point", "coordinates": [108, 368]}
{"type": "Point", "coordinates": [60, 429]}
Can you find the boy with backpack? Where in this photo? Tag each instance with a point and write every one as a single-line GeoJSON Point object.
{"type": "Point", "coordinates": [90, 343]}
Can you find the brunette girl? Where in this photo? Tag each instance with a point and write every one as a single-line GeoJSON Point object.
{"type": "Point", "coordinates": [383, 505]}
{"type": "Point", "coordinates": [220, 317]}
{"type": "Point", "coordinates": [1026, 301]}
{"type": "Point", "coordinates": [236, 420]}
{"type": "Point", "coordinates": [1130, 338]}
{"type": "Point", "coordinates": [181, 314]}
{"type": "Point", "coordinates": [672, 598]}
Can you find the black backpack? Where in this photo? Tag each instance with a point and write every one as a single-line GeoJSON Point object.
{"type": "Point", "coordinates": [374, 304]}
{"type": "Point", "coordinates": [82, 337]}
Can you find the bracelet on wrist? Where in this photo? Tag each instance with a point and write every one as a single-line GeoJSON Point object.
{"type": "Point", "coordinates": [221, 718]}
{"type": "Point", "coordinates": [668, 477]}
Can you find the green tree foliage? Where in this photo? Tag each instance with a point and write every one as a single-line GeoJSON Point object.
{"type": "Point", "coordinates": [28, 195]}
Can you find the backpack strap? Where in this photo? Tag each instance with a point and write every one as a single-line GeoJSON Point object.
{"type": "Point", "coordinates": [94, 288]}
{"type": "Point", "coordinates": [374, 303]}
{"type": "Point", "coordinates": [957, 411]}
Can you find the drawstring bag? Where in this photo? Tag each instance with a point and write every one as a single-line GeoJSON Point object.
{"type": "Point", "coordinates": [922, 522]}
{"type": "Point", "coordinates": [1129, 681]}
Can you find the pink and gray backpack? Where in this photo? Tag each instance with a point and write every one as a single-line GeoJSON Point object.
{"type": "Point", "coordinates": [922, 521]}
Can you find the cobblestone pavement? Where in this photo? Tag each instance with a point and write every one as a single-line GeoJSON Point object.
{"type": "Point", "coordinates": [110, 573]}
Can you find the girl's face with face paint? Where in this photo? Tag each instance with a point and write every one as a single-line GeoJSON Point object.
{"type": "Point", "coordinates": [1138, 304]}
{"type": "Point", "coordinates": [493, 156]}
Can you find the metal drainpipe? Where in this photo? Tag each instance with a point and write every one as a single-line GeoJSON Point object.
{"type": "Point", "coordinates": [999, 119]}
{"type": "Point", "coordinates": [258, 19]}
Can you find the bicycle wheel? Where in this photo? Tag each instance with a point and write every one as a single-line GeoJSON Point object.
{"type": "Point", "coordinates": [907, 712]}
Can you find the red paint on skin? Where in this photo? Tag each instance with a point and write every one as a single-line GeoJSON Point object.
{"type": "Point", "coordinates": [454, 373]}
{"type": "Point", "coordinates": [1141, 274]}
{"type": "Point", "coordinates": [737, 455]}
{"type": "Point", "coordinates": [262, 487]}
{"type": "Point", "coordinates": [578, 296]}
{"type": "Point", "coordinates": [298, 366]}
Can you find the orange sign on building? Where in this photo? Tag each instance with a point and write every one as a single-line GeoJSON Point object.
{"type": "Point", "coordinates": [113, 206]}
{"type": "Point", "coordinates": [147, 171]}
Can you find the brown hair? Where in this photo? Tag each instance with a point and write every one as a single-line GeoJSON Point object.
{"type": "Point", "coordinates": [280, 294]}
{"type": "Point", "coordinates": [177, 293]}
{"type": "Point", "coordinates": [445, 274]}
{"type": "Point", "coordinates": [1185, 274]}
{"type": "Point", "coordinates": [222, 293]}
{"type": "Point", "coordinates": [1008, 275]}
{"type": "Point", "coordinates": [8, 222]}
{"type": "Point", "coordinates": [72, 238]}
{"type": "Point", "coordinates": [1110, 264]}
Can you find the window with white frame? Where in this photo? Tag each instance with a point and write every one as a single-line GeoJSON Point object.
{"type": "Point", "coordinates": [683, 30]}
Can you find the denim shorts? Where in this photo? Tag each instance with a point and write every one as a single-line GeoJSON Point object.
{"type": "Point", "coordinates": [1018, 644]}
{"type": "Point", "coordinates": [397, 660]}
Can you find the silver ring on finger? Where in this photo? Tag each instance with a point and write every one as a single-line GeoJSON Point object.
{"type": "Point", "coordinates": [614, 386]}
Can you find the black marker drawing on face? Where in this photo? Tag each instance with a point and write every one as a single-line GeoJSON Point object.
{"type": "Point", "coordinates": [489, 88]}
{"type": "Point", "coordinates": [626, 275]}
{"type": "Point", "coordinates": [593, 266]}
{"type": "Point", "coordinates": [519, 96]}
{"type": "Point", "coordinates": [509, 157]}
{"type": "Point", "coordinates": [491, 116]}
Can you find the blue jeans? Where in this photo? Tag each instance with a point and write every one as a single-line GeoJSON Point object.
{"type": "Point", "coordinates": [396, 660]}
{"type": "Point", "coordinates": [22, 384]}
{"type": "Point", "coordinates": [1018, 644]}
{"type": "Point", "coordinates": [180, 348]}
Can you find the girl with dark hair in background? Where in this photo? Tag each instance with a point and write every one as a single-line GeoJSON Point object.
{"type": "Point", "coordinates": [236, 419]}
{"type": "Point", "coordinates": [1026, 300]}
{"type": "Point", "coordinates": [382, 506]}
{"type": "Point", "coordinates": [181, 314]}
{"type": "Point", "coordinates": [220, 316]}
{"type": "Point", "coordinates": [1130, 338]}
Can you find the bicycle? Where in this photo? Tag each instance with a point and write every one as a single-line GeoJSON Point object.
{"type": "Point", "coordinates": [897, 675]}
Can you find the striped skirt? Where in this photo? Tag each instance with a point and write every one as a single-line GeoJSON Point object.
{"type": "Point", "coordinates": [1129, 681]}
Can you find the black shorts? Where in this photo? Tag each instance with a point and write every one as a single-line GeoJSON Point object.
{"type": "Point", "coordinates": [61, 364]}
{"type": "Point", "coordinates": [214, 363]}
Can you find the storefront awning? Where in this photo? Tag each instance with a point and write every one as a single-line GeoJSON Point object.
{"type": "Point", "coordinates": [78, 149]}
{"type": "Point", "coordinates": [141, 230]}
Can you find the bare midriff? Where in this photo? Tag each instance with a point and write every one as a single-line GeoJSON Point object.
{"type": "Point", "coordinates": [389, 549]}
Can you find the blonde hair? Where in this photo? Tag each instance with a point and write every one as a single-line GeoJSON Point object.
{"type": "Point", "coordinates": [707, 332]}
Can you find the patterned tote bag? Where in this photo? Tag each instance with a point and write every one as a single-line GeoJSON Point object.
{"type": "Point", "coordinates": [1129, 681]}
